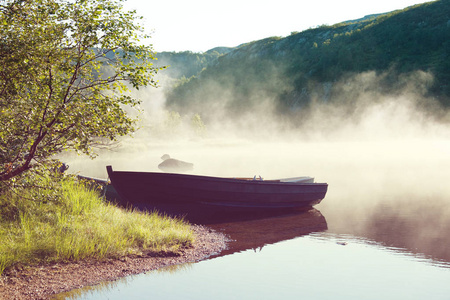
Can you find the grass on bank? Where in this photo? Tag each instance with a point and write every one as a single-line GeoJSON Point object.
{"type": "Point", "coordinates": [48, 220]}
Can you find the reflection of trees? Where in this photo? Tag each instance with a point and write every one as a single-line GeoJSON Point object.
{"type": "Point", "coordinates": [419, 226]}
{"type": "Point", "coordinates": [107, 286]}
{"type": "Point", "coordinates": [87, 290]}
{"type": "Point", "coordinates": [171, 269]}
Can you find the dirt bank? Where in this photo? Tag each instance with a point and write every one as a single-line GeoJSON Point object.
{"type": "Point", "coordinates": [43, 282]}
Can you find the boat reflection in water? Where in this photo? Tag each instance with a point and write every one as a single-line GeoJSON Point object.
{"type": "Point", "coordinates": [259, 230]}
{"type": "Point", "coordinates": [254, 230]}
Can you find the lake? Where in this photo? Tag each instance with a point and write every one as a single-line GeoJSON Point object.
{"type": "Point", "coordinates": [382, 232]}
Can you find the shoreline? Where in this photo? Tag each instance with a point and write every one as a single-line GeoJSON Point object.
{"type": "Point", "coordinates": [45, 281]}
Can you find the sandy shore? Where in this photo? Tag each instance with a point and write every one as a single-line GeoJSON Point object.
{"type": "Point", "coordinates": [43, 282]}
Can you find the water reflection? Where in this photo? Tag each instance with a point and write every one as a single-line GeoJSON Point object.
{"type": "Point", "coordinates": [406, 253]}
{"type": "Point", "coordinates": [422, 228]}
{"type": "Point", "coordinates": [99, 291]}
{"type": "Point", "coordinates": [87, 291]}
{"type": "Point", "coordinates": [416, 225]}
{"type": "Point", "coordinates": [267, 228]}
{"type": "Point", "coordinates": [253, 229]}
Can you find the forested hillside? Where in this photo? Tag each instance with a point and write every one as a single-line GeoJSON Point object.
{"type": "Point", "coordinates": [306, 66]}
{"type": "Point", "coordinates": [187, 63]}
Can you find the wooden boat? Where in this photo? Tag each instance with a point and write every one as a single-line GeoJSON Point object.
{"type": "Point", "coordinates": [144, 189]}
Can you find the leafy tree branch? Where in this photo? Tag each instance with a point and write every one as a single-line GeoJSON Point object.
{"type": "Point", "coordinates": [65, 71]}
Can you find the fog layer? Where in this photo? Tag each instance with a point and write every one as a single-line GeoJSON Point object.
{"type": "Point", "coordinates": [384, 155]}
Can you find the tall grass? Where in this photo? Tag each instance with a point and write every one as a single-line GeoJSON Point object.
{"type": "Point", "coordinates": [70, 221]}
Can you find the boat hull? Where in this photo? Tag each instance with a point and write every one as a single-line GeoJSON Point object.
{"type": "Point", "coordinates": [138, 188]}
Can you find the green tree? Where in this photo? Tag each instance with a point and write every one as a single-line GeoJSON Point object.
{"type": "Point", "coordinates": [65, 69]}
{"type": "Point", "coordinates": [198, 125]}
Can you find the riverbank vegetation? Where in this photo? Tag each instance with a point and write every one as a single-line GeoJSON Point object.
{"type": "Point", "coordinates": [49, 217]}
{"type": "Point", "coordinates": [65, 77]}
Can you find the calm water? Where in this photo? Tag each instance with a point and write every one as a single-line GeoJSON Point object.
{"type": "Point", "coordinates": [382, 232]}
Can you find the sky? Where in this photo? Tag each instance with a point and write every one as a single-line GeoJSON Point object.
{"type": "Point", "coordinates": [200, 25]}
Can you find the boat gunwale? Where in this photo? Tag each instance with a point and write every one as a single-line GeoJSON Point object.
{"type": "Point", "coordinates": [238, 180]}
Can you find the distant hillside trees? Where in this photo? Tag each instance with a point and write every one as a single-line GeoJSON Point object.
{"type": "Point", "coordinates": [187, 63]}
{"type": "Point", "coordinates": [294, 70]}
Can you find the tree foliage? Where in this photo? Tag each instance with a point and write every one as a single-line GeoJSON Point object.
{"type": "Point", "coordinates": [65, 69]}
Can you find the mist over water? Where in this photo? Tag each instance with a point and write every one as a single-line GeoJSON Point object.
{"type": "Point", "coordinates": [384, 155]}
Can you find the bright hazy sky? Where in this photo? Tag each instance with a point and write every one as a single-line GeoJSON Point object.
{"type": "Point", "coordinates": [199, 25]}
